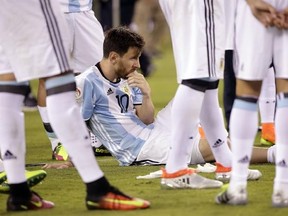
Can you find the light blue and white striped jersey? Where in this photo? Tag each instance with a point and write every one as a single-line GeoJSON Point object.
{"type": "Point", "coordinates": [72, 6]}
{"type": "Point", "coordinates": [109, 107]}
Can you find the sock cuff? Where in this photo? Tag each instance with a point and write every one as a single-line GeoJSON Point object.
{"type": "Point", "coordinates": [249, 104]}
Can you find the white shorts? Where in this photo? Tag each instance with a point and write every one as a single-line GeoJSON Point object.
{"type": "Point", "coordinates": [4, 64]}
{"type": "Point", "coordinates": [197, 30]}
{"type": "Point", "coordinates": [230, 11]}
{"type": "Point", "coordinates": [257, 46]}
{"type": "Point", "coordinates": [157, 147]}
{"type": "Point", "coordinates": [87, 40]}
{"type": "Point", "coordinates": [34, 36]}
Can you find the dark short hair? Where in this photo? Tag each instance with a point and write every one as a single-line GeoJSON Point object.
{"type": "Point", "coordinates": [120, 39]}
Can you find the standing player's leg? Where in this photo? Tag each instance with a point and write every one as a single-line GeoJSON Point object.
{"type": "Point", "coordinates": [191, 89]}
{"type": "Point", "coordinates": [63, 111]}
{"type": "Point", "coordinates": [249, 73]}
{"type": "Point", "coordinates": [13, 144]}
{"type": "Point", "coordinates": [54, 141]}
{"type": "Point", "coordinates": [229, 86]}
{"type": "Point", "coordinates": [280, 187]}
{"type": "Point", "coordinates": [229, 82]}
{"type": "Point", "coordinates": [211, 119]}
{"type": "Point", "coordinates": [30, 101]}
{"type": "Point", "coordinates": [86, 44]}
{"type": "Point", "coordinates": [267, 104]}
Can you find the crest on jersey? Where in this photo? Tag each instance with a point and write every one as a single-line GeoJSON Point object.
{"type": "Point", "coordinates": [125, 88]}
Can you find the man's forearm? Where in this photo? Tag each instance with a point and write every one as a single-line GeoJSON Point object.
{"type": "Point", "coordinates": [146, 111]}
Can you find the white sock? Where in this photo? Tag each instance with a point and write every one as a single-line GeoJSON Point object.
{"type": "Point", "coordinates": [12, 133]}
{"type": "Point", "coordinates": [186, 109]}
{"type": "Point", "coordinates": [212, 122]}
{"type": "Point", "coordinates": [243, 129]}
{"type": "Point", "coordinates": [267, 98]}
{"type": "Point", "coordinates": [281, 124]}
{"type": "Point", "coordinates": [50, 133]}
{"type": "Point", "coordinates": [69, 126]}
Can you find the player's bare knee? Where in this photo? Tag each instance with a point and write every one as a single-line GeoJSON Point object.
{"type": "Point", "coordinates": [245, 88]}
{"type": "Point", "coordinates": [7, 77]}
{"type": "Point", "coordinates": [281, 86]}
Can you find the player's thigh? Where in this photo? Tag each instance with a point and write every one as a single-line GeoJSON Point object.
{"type": "Point", "coordinates": [88, 41]}
{"type": "Point", "coordinates": [248, 88]}
{"type": "Point", "coordinates": [253, 45]}
{"type": "Point", "coordinates": [5, 68]}
{"type": "Point", "coordinates": [4, 63]}
{"type": "Point", "coordinates": [280, 54]}
{"type": "Point", "coordinates": [198, 37]}
{"type": "Point", "coordinates": [282, 85]}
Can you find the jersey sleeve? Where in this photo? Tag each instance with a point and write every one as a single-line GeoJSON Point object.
{"type": "Point", "coordinates": [137, 96]}
{"type": "Point", "coordinates": [86, 99]}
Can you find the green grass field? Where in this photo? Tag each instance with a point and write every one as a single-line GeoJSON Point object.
{"type": "Point", "coordinates": [66, 189]}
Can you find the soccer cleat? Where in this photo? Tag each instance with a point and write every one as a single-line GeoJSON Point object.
{"type": "Point", "coordinates": [268, 134]}
{"type": "Point", "coordinates": [278, 200]}
{"type": "Point", "coordinates": [223, 174]}
{"type": "Point", "coordinates": [33, 178]}
{"type": "Point", "coordinates": [266, 142]}
{"type": "Point", "coordinates": [35, 203]}
{"type": "Point", "coordinates": [101, 151]}
{"type": "Point", "coordinates": [187, 179]}
{"type": "Point", "coordinates": [236, 197]}
{"type": "Point", "coordinates": [59, 153]}
{"type": "Point", "coordinates": [254, 174]}
{"type": "Point", "coordinates": [115, 200]}
{"type": "Point", "coordinates": [3, 177]}
{"type": "Point", "coordinates": [4, 187]}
